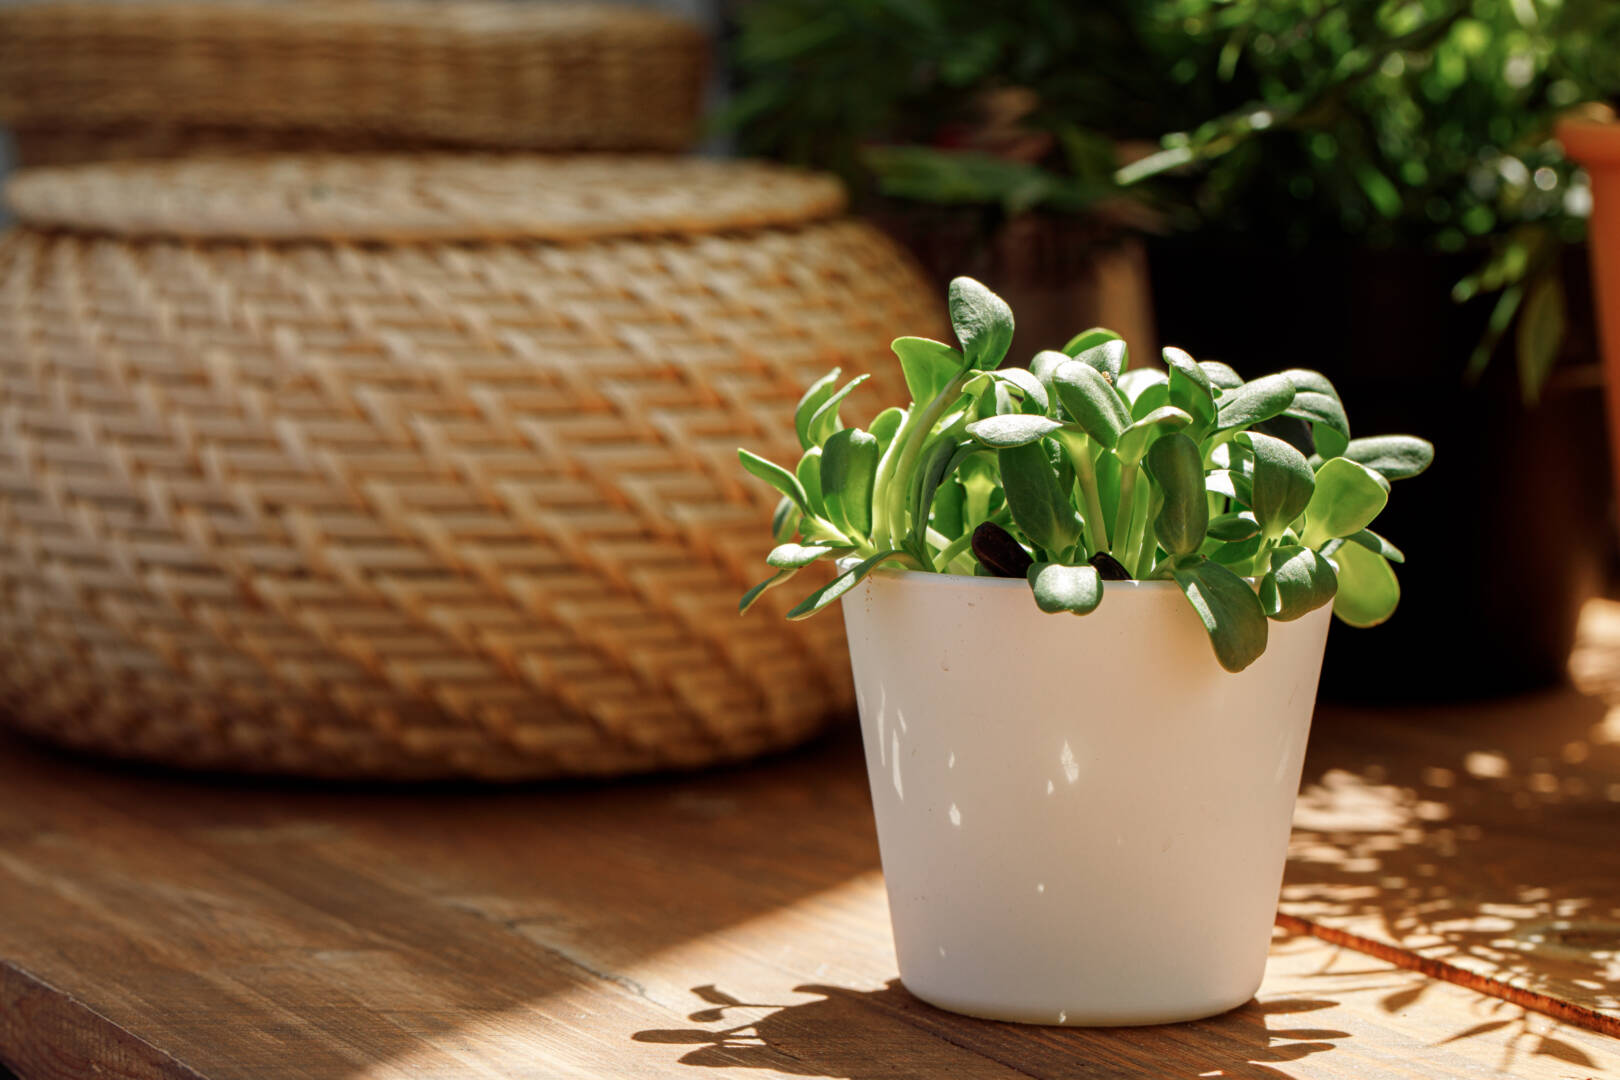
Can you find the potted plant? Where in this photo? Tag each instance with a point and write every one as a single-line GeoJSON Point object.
{"type": "Point", "coordinates": [979, 135]}
{"type": "Point", "coordinates": [1083, 820]}
{"type": "Point", "coordinates": [1592, 137]}
{"type": "Point", "coordinates": [1387, 170]}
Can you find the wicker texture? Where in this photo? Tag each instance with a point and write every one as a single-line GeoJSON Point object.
{"type": "Point", "coordinates": [460, 508]}
{"type": "Point", "coordinates": [95, 80]}
{"type": "Point", "coordinates": [565, 197]}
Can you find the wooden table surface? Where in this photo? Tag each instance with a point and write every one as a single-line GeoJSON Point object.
{"type": "Point", "coordinates": [1451, 909]}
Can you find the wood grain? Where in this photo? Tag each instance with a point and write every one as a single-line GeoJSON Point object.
{"type": "Point", "coordinates": [1480, 841]}
{"type": "Point", "coordinates": [728, 925]}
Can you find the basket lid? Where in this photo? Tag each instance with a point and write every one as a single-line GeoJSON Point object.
{"type": "Point", "coordinates": [492, 73]}
{"type": "Point", "coordinates": [426, 197]}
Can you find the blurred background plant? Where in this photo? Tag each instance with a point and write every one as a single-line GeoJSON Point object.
{"type": "Point", "coordinates": [1296, 123]}
{"type": "Point", "coordinates": [998, 108]}
{"type": "Point", "coordinates": [1421, 124]}
{"type": "Point", "coordinates": [1366, 187]}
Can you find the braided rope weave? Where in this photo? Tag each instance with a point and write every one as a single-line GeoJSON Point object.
{"type": "Point", "coordinates": [450, 508]}
{"type": "Point", "coordinates": [93, 80]}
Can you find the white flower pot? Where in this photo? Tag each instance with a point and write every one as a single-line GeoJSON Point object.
{"type": "Point", "coordinates": [1083, 820]}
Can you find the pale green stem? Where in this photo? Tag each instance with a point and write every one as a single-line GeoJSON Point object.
{"type": "Point", "coordinates": [820, 529]}
{"type": "Point", "coordinates": [951, 550]}
{"type": "Point", "coordinates": [1140, 551]}
{"type": "Point", "coordinates": [1096, 527]}
{"type": "Point", "coordinates": [1261, 563]}
{"type": "Point", "coordinates": [1124, 512]}
{"type": "Point", "coordinates": [888, 507]}
{"type": "Point", "coordinates": [1078, 447]}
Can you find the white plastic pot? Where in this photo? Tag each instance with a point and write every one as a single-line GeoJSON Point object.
{"type": "Point", "coordinates": [1083, 820]}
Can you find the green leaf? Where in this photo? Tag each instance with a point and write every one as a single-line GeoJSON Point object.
{"type": "Point", "coordinates": [1373, 542]}
{"type": "Point", "coordinates": [778, 477]}
{"type": "Point", "coordinates": [983, 322]}
{"type": "Point", "coordinates": [1394, 457]}
{"type": "Point", "coordinates": [839, 585]}
{"type": "Point", "coordinates": [926, 174]}
{"type": "Point", "coordinates": [1239, 553]}
{"type": "Point", "coordinates": [809, 474]}
{"type": "Point", "coordinates": [796, 556]}
{"type": "Point", "coordinates": [1039, 504]}
{"type": "Point", "coordinates": [1220, 375]}
{"type": "Point", "coordinates": [785, 521]}
{"type": "Point", "coordinates": [886, 424]}
{"type": "Point", "coordinates": [1089, 339]}
{"type": "Point", "coordinates": [1015, 429]}
{"type": "Point", "coordinates": [1110, 474]}
{"type": "Point", "coordinates": [1282, 482]}
{"type": "Point", "coordinates": [1316, 401]}
{"type": "Point", "coordinates": [1134, 441]}
{"type": "Point", "coordinates": [928, 365]}
{"type": "Point", "coordinates": [849, 464]}
{"type": "Point", "coordinates": [1132, 383]}
{"type": "Point", "coordinates": [1031, 390]}
{"type": "Point", "coordinates": [813, 399]}
{"type": "Point", "coordinates": [947, 517]}
{"type": "Point", "coordinates": [1233, 527]}
{"type": "Point", "coordinates": [1151, 399]}
{"type": "Point", "coordinates": [1091, 400]}
{"type": "Point", "coordinates": [1299, 582]}
{"type": "Point", "coordinates": [762, 588]}
{"type": "Point", "coordinates": [997, 399]}
{"type": "Point", "coordinates": [1045, 365]}
{"type": "Point", "coordinates": [1502, 312]}
{"type": "Point", "coordinates": [1230, 483]}
{"type": "Point", "coordinates": [825, 421]}
{"type": "Point", "coordinates": [1108, 357]}
{"type": "Point", "coordinates": [1249, 404]}
{"type": "Point", "coordinates": [954, 426]}
{"type": "Point", "coordinates": [1190, 389]}
{"type": "Point", "coordinates": [1177, 468]}
{"type": "Point", "coordinates": [1229, 610]}
{"type": "Point", "coordinates": [1076, 589]}
{"type": "Point", "coordinates": [1540, 334]}
{"type": "Point", "coordinates": [936, 463]}
{"type": "Point", "coordinates": [1368, 589]}
{"type": "Point", "coordinates": [981, 480]}
{"type": "Point", "coordinates": [1306, 380]}
{"type": "Point", "coordinates": [1347, 498]}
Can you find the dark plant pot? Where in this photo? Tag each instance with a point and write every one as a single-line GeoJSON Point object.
{"type": "Point", "coordinates": [1061, 273]}
{"type": "Point", "coordinates": [1508, 533]}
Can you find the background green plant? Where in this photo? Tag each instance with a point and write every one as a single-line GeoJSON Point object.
{"type": "Point", "coordinates": [1080, 467]}
{"type": "Point", "coordinates": [1297, 123]}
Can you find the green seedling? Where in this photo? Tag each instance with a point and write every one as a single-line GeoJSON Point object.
{"type": "Point", "coordinates": [1252, 497]}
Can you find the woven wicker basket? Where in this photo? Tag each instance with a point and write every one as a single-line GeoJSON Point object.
{"type": "Point", "coordinates": [418, 467]}
{"type": "Point", "coordinates": [86, 81]}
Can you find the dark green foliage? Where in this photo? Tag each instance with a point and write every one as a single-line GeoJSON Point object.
{"type": "Point", "coordinates": [1066, 490]}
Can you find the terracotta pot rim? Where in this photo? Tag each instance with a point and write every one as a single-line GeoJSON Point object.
{"type": "Point", "coordinates": [1590, 141]}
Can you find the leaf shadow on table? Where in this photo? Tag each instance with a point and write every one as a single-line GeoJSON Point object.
{"type": "Point", "coordinates": [851, 1034]}
{"type": "Point", "coordinates": [1480, 840]}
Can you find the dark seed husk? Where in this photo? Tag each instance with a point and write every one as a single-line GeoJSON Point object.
{"type": "Point", "coordinates": [999, 553]}
{"type": "Point", "coordinates": [1109, 568]}
{"type": "Point", "coordinates": [1291, 430]}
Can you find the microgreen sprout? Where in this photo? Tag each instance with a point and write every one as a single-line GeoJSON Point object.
{"type": "Point", "coordinates": [1250, 496]}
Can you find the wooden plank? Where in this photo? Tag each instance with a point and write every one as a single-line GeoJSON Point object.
{"type": "Point", "coordinates": [1482, 841]}
{"type": "Point", "coordinates": [734, 921]}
